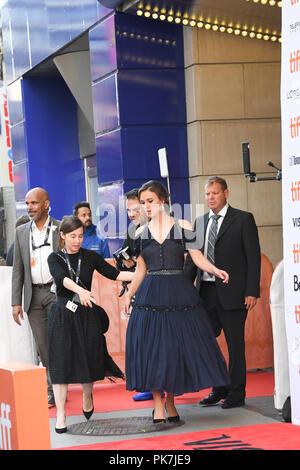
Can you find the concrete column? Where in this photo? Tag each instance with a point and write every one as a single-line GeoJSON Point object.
{"type": "Point", "coordinates": [233, 96]}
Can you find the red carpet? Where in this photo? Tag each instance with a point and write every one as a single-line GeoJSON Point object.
{"type": "Point", "coordinates": [114, 397]}
{"type": "Point", "coordinates": [274, 436]}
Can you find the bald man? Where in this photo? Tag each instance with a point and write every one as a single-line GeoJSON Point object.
{"type": "Point", "coordinates": [34, 241]}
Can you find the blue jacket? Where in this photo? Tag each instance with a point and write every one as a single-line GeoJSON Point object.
{"type": "Point", "coordinates": [95, 242]}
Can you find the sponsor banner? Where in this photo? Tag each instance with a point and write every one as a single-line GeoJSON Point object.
{"type": "Point", "coordinates": [6, 171]}
{"type": "Point", "coordinates": [290, 114]}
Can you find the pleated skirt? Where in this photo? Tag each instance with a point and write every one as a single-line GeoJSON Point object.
{"type": "Point", "coordinates": [170, 344]}
{"type": "Point", "coordinates": [77, 345]}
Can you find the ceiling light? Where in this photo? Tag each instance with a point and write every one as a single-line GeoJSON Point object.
{"type": "Point", "coordinates": [230, 28]}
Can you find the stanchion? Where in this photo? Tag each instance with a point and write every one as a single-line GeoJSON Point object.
{"type": "Point", "coordinates": [24, 420]}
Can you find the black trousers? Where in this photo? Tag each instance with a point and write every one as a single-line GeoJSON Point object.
{"type": "Point", "coordinates": [232, 322]}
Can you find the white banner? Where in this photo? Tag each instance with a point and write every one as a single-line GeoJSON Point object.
{"type": "Point", "coordinates": [290, 114]}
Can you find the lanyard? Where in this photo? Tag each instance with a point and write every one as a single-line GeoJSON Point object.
{"type": "Point", "coordinates": [70, 268]}
{"type": "Point", "coordinates": [46, 237]}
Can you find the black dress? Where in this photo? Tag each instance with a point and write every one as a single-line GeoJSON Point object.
{"type": "Point", "coordinates": [170, 344]}
{"type": "Point", "coordinates": [77, 345]}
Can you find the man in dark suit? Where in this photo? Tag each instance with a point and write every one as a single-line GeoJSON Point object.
{"type": "Point", "coordinates": [236, 250]}
{"type": "Point", "coordinates": [34, 241]}
{"type": "Point", "coordinates": [137, 217]}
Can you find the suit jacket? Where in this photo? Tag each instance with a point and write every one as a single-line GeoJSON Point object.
{"type": "Point", "coordinates": [237, 251]}
{"type": "Point", "coordinates": [130, 237]}
{"type": "Point", "coordinates": [21, 273]}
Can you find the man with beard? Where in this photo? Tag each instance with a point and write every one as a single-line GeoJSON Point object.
{"type": "Point", "coordinates": [92, 239]}
{"type": "Point", "coordinates": [34, 241]}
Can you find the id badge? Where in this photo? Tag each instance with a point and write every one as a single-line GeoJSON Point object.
{"type": "Point", "coordinates": [71, 306]}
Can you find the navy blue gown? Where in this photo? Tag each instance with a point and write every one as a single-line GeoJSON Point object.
{"type": "Point", "coordinates": [170, 344]}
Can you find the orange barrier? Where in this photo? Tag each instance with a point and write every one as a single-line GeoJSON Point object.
{"type": "Point", "coordinates": [24, 419]}
{"type": "Point", "coordinates": [258, 332]}
{"type": "Point", "coordinates": [106, 292]}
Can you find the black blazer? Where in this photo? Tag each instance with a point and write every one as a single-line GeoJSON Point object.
{"type": "Point", "coordinates": [237, 251]}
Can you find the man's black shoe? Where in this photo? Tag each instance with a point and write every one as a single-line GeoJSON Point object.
{"type": "Point", "coordinates": [232, 403]}
{"type": "Point", "coordinates": [213, 398]}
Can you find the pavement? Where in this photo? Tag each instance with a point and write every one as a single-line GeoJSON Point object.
{"type": "Point", "coordinates": [194, 417]}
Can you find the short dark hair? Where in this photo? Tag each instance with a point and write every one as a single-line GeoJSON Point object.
{"type": "Point", "coordinates": [68, 224]}
{"type": "Point", "coordinates": [132, 194]}
{"type": "Point", "coordinates": [157, 188]}
{"type": "Point", "coordinates": [216, 179]}
{"type": "Point", "coordinates": [79, 205]}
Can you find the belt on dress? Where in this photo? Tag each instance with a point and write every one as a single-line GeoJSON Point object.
{"type": "Point", "coordinates": [165, 272]}
{"type": "Point", "coordinates": [42, 286]}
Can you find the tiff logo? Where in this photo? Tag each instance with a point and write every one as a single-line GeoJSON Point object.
{"type": "Point", "coordinates": [297, 313]}
{"type": "Point", "coordinates": [5, 426]}
{"type": "Point", "coordinates": [295, 190]}
{"type": "Point", "coordinates": [295, 61]}
{"type": "Point", "coordinates": [296, 253]}
{"type": "Point", "coordinates": [294, 126]}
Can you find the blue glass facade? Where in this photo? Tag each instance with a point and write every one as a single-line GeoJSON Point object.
{"type": "Point", "coordinates": [138, 94]}
{"type": "Point", "coordinates": [142, 90]}
{"type": "Point", "coordinates": [35, 29]}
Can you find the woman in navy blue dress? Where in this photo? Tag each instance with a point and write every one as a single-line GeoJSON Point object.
{"type": "Point", "coordinates": [170, 345]}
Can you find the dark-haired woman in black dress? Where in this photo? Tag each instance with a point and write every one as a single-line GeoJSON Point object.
{"type": "Point", "coordinates": [77, 345]}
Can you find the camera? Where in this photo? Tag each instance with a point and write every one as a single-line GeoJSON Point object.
{"type": "Point", "coordinates": [123, 254]}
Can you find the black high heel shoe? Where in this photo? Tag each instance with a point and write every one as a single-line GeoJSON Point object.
{"type": "Point", "coordinates": [61, 430]}
{"type": "Point", "coordinates": [173, 419]}
{"type": "Point", "coordinates": [158, 421]}
{"type": "Point", "coordinates": [88, 414]}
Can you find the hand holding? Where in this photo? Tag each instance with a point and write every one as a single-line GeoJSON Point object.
{"type": "Point", "coordinates": [86, 298]}
{"type": "Point", "coordinates": [130, 263]}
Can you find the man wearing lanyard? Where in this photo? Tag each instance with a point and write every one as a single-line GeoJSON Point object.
{"type": "Point", "coordinates": [34, 241]}
{"type": "Point", "coordinates": [231, 243]}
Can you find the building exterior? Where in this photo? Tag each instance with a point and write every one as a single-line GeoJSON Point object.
{"type": "Point", "coordinates": [96, 87]}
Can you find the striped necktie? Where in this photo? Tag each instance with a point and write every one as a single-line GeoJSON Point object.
{"type": "Point", "coordinates": [212, 236]}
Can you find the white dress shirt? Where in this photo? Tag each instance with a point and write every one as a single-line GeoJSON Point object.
{"type": "Point", "coordinates": [40, 272]}
{"type": "Point", "coordinates": [222, 213]}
